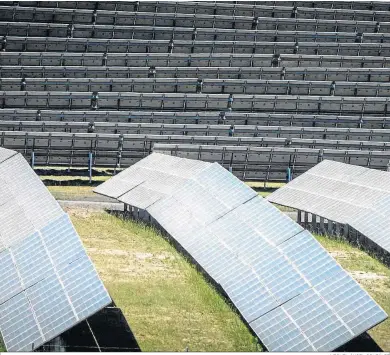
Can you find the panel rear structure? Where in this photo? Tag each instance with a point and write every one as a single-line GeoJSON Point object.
{"type": "Point", "coordinates": [49, 284]}
{"type": "Point", "coordinates": [289, 290]}
{"type": "Point", "coordinates": [357, 197]}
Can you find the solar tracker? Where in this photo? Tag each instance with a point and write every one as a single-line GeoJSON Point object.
{"type": "Point", "coordinates": [49, 284]}
{"type": "Point", "coordinates": [343, 193]}
{"type": "Point", "coordinates": [275, 272]}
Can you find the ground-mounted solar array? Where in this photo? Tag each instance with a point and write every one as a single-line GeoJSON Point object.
{"type": "Point", "coordinates": [347, 194]}
{"type": "Point", "coordinates": [259, 87]}
{"type": "Point", "coordinates": [289, 290]}
{"type": "Point", "coordinates": [49, 284]}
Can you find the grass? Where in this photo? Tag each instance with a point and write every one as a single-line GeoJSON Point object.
{"type": "Point", "coordinates": [74, 188]}
{"type": "Point", "coordinates": [77, 193]}
{"type": "Point", "coordinates": [371, 274]}
{"type": "Point", "coordinates": [167, 303]}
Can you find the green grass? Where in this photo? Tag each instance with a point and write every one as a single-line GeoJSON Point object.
{"type": "Point", "coordinates": [371, 274]}
{"type": "Point", "coordinates": [168, 304]}
{"type": "Point", "coordinates": [77, 193]}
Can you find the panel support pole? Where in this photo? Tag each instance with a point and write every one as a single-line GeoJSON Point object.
{"type": "Point", "coordinates": [306, 216]}
{"type": "Point", "coordinates": [330, 227]}
{"type": "Point", "coordinates": [32, 159]}
{"type": "Point", "coordinates": [338, 229]}
{"type": "Point", "coordinates": [346, 231]}
{"type": "Point", "coordinates": [313, 222]}
{"type": "Point", "coordinates": [322, 226]}
{"type": "Point", "coordinates": [90, 161]}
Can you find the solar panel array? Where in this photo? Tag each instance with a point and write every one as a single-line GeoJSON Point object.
{"type": "Point", "coordinates": [269, 163]}
{"type": "Point", "coordinates": [346, 194]}
{"type": "Point", "coordinates": [312, 65]}
{"type": "Point", "coordinates": [48, 282]}
{"type": "Point", "coordinates": [290, 291]}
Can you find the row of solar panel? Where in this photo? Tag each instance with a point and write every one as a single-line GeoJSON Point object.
{"type": "Point", "coordinates": [336, 192]}
{"type": "Point", "coordinates": [208, 102]}
{"type": "Point", "coordinates": [245, 8]}
{"type": "Point", "coordinates": [244, 161]}
{"type": "Point", "coordinates": [261, 73]}
{"type": "Point", "coordinates": [202, 117]}
{"type": "Point", "coordinates": [357, 134]}
{"type": "Point", "coordinates": [49, 283]}
{"type": "Point", "coordinates": [31, 29]}
{"type": "Point", "coordinates": [58, 44]}
{"type": "Point", "coordinates": [144, 142]}
{"type": "Point", "coordinates": [190, 60]}
{"type": "Point", "coordinates": [205, 86]}
{"type": "Point", "coordinates": [272, 270]}
{"type": "Point", "coordinates": [152, 18]}
{"type": "Point", "coordinates": [247, 163]}
{"type": "Point", "coordinates": [114, 151]}
{"type": "Point", "coordinates": [347, 194]}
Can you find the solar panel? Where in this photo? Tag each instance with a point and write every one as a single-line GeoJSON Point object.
{"type": "Point", "coordinates": [343, 193]}
{"type": "Point", "coordinates": [223, 185]}
{"type": "Point", "coordinates": [32, 260]}
{"type": "Point", "coordinates": [374, 223]}
{"type": "Point", "coordinates": [263, 217]}
{"type": "Point", "coordinates": [9, 276]}
{"type": "Point", "coordinates": [6, 154]}
{"type": "Point", "coordinates": [150, 179]}
{"type": "Point", "coordinates": [62, 242]}
{"type": "Point", "coordinates": [84, 289]}
{"type": "Point", "coordinates": [273, 270]}
{"type": "Point", "coordinates": [51, 306]}
{"type": "Point", "coordinates": [29, 192]}
{"type": "Point", "coordinates": [19, 327]}
{"type": "Point", "coordinates": [141, 197]}
{"type": "Point", "coordinates": [48, 282]}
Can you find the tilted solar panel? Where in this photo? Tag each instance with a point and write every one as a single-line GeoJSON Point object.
{"type": "Point", "coordinates": [374, 223]}
{"type": "Point", "coordinates": [151, 179]}
{"type": "Point", "coordinates": [6, 154]}
{"type": "Point", "coordinates": [49, 284]}
{"type": "Point", "coordinates": [277, 275]}
{"type": "Point", "coordinates": [343, 193]}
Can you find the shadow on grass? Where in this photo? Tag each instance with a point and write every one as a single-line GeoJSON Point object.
{"type": "Point", "coordinates": [362, 343]}
{"type": "Point", "coordinates": [73, 182]}
{"type": "Point", "coordinates": [73, 172]}
{"type": "Point", "coordinates": [264, 189]}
